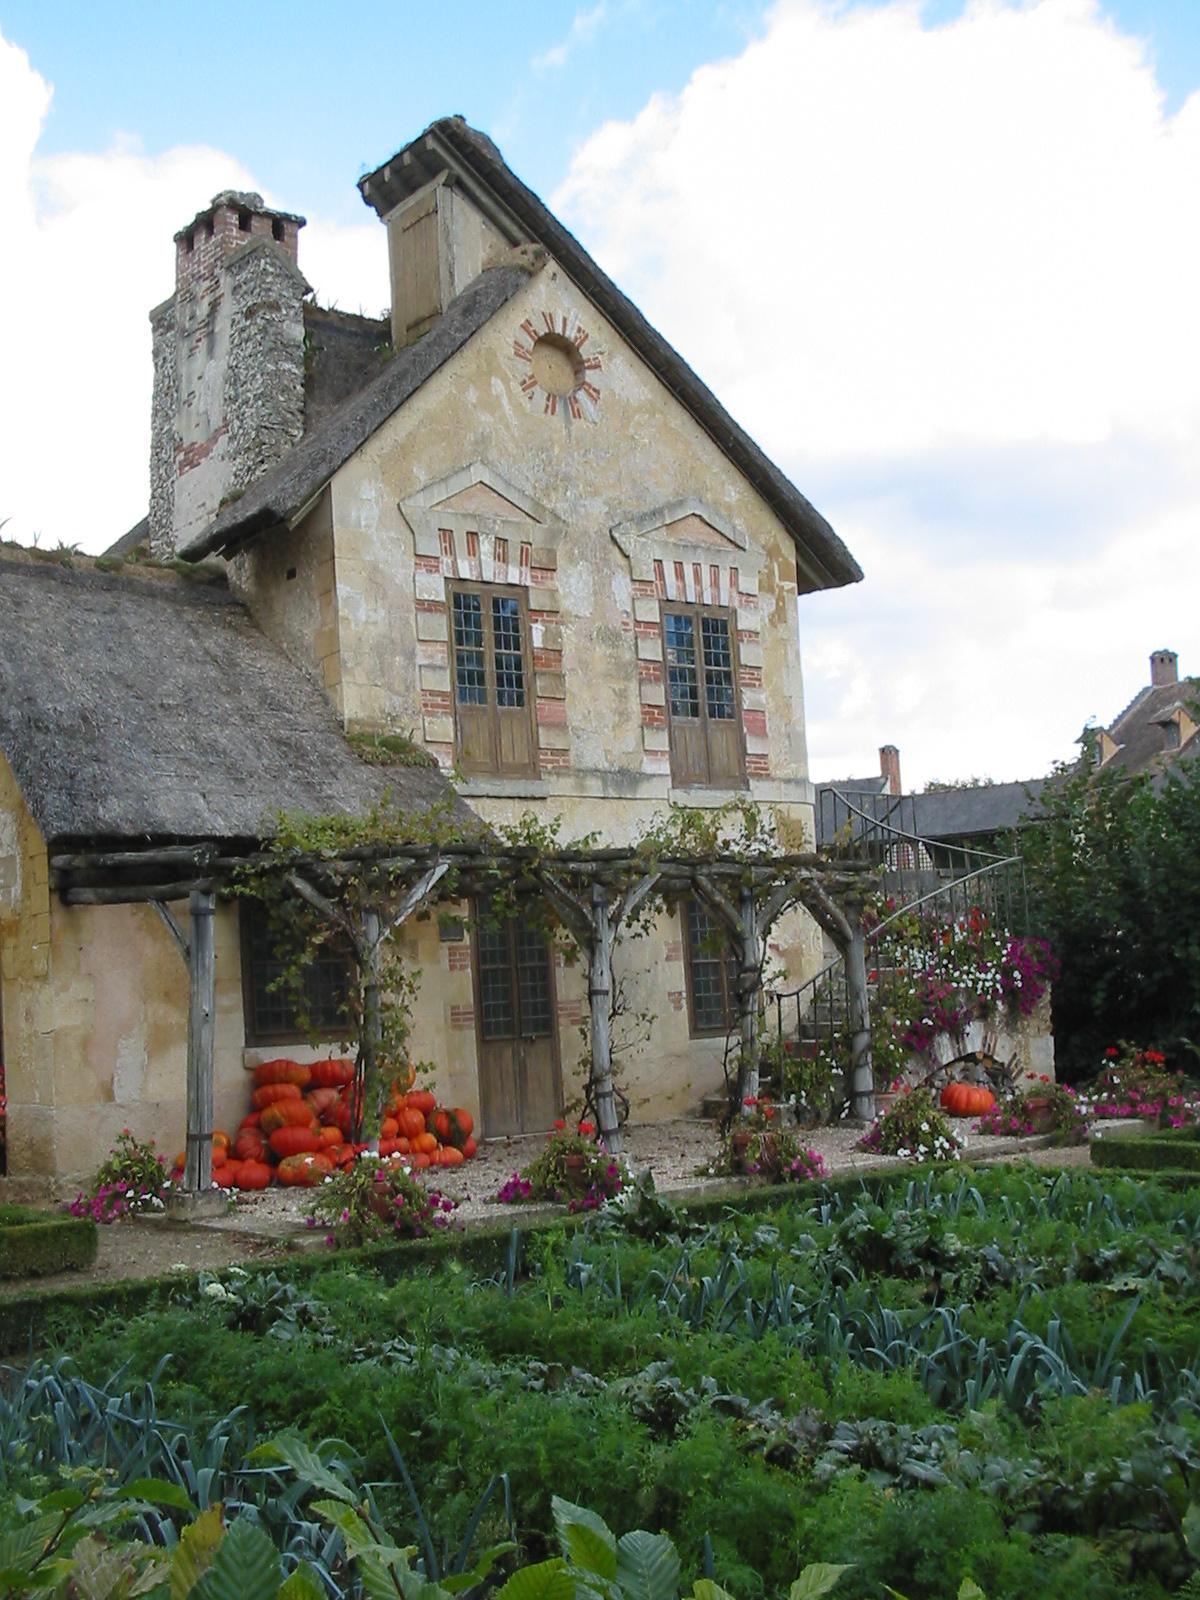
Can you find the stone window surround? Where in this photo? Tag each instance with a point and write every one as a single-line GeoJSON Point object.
{"type": "Point", "coordinates": [670, 566]}
{"type": "Point", "coordinates": [486, 547]}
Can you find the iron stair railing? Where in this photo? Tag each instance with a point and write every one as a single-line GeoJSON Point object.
{"type": "Point", "coordinates": [950, 882]}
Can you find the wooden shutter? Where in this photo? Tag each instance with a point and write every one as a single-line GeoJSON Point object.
{"type": "Point", "coordinates": [703, 706]}
{"type": "Point", "coordinates": [493, 681]}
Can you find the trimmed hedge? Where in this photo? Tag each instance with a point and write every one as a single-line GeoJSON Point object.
{"type": "Point", "coordinates": [34, 1244]}
{"type": "Point", "coordinates": [1176, 1150]}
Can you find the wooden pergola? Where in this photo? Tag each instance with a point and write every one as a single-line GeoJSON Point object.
{"type": "Point", "coordinates": [592, 894]}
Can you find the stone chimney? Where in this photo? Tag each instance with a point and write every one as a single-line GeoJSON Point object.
{"type": "Point", "coordinates": [228, 363]}
{"type": "Point", "coordinates": [889, 767]}
{"type": "Point", "coordinates": [1164, 668]}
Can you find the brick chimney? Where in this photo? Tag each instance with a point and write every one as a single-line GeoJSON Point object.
{"type": "Point", "coordinates": [228, 363]}
{"type": "Point", "coordinates": [889, 767]}
{"type": "Point", "coordinates": [1164, 668]}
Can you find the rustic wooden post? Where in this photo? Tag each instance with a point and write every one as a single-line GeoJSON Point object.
{"type": "Point", "coordinates": [372, 1018]}
{"type": "Point", "coordinates": [748, 985]}
{"type": "Point", "coordinates": [600, 997]}
{"type": "Point", "coordinates": [862, 1077]}
{"type": "Point", "coordinates": [197, 1173]}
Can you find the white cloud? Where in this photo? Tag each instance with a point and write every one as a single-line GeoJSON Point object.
{"type": "Point", "coordinates": [87, 252]}
{"type": "Point", "coordinates": [931, 259]}
{"type": "Point", "coordinates": [583, 28]}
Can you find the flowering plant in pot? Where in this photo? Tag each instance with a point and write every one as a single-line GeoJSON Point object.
{"type": "Point", "coordinates": [573, 1167]}
{"type": "Point", "coordinates": [1039, 1105]}
{"type": "Point", "coordinates": [133, 1178]}
{"type": "Point", "coordinates": [377, 1198]}
{"type": "Point", "coordinates": [1137, 1083]}
{"type": "Point", "coordinates": [913, 1127]}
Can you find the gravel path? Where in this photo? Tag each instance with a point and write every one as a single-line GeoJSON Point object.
{"type": "Point", "coordinates": [272, 1223]}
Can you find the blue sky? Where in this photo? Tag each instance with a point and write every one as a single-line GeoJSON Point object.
{"type": "Point", "coordinates": [979, 216]}
{"type": "Point", "coordinates": [135, 71]}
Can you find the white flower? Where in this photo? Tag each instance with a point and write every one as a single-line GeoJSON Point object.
{"type": "Point", "coordinates": [217, 1291]}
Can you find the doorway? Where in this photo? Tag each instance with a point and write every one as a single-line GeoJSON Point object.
{"type": "Point", "coordinates": [520, 1084]}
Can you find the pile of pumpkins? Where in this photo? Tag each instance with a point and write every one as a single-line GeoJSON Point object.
{"type": "Point", "coordinates": [298, 1130]}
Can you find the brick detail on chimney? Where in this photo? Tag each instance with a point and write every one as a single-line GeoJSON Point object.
{"type": "Point", "coordinates": [1164, 668]}
{"type": "Point", "coordinates": [889, 767]}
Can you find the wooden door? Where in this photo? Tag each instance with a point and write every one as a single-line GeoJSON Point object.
{"type": "Point", "coordinates": [520, 1088]}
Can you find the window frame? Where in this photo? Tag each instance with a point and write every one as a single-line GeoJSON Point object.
{"type": "Point", "coordinates": [735, 778]}
{"type": "Point", "coordinates": [726, 970]}
{"type": "Point", "coordinates": [252, 926]}
{"type": "Point", "coordinates": [486, 593]}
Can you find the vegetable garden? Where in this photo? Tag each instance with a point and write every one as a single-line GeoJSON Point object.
{"type": "Point", "coordinates": [988, 1375]}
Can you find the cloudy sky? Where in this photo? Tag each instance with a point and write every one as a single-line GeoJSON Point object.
{"type": "Point", "coordinates": [941, 259]}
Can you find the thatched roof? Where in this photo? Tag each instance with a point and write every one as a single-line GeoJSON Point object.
{"type": "Point", "coordinates": [150, 707]}
{"type": "Point", "coordinates": [292, 482]}
{"type": "Point", "coordinates": [823, 560]}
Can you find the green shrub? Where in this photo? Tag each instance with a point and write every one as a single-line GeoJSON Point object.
{"type": "Point", "coordinates": [1176, 1150]}
{"type": "Point", "coordinates": [34, 1244]}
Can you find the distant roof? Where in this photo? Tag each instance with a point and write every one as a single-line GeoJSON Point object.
{"type": "Point", "coordinates": [292, 482]}
{"type": "Point", "coordinates": [151, 707]}
{"type": "Point", "coordinates": [988, 808]}
{"type": "Point", "coordinates": [822, 558]}
{"type": "Point", "coordinates": [875, 784]}
{"type": "Point", "coordinates": [1137, 732]}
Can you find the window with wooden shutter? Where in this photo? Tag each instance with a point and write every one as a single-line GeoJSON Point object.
{"type": "Point", "coordinates": [703, 709]}
{"type": "Point", "coordinates": [711, 971]}
{"type": "Point", "coordinates": [493, 680]}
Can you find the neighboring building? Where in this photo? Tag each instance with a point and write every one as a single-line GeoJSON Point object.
{"type": "Point", "coordinates": [513, 525]}
{"type": "Point", "coordinates": [1158, 725]}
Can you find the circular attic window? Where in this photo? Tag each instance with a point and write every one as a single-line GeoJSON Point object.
{"type": "Point", "coordinates": [557, 364]}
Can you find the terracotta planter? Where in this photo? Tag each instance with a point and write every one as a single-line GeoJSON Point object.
{"type": "Point", "coordinates": [575, 1173]}
{"type": "Point", "coordinates": [1041, 1114]}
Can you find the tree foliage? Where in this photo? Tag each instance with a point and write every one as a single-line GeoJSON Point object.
{"type": "Point", "coordinates": [1114, 878]}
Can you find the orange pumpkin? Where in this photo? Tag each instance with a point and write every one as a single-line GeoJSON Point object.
{"type": "Point", "coordinates": [281, 1070]}
{"type": "Point", "coordinates": [439, 1123]}
{"type": "Point", "coordinates": [411, 1122]}
{"type": "Point", "coordinates": [270, 1092]}
{"type": "Point", "coordinates": [294, 1141]}
{"type": "Point", "coordinates": [220, 1155]}
{"type": "Point", "coordinates": [329, 1136]}
{"type": "Point", "coordinates": [452, 1156]}
{"type": "Point", "coordinates": [287, 1114]}
{"type": "Point", "coordinates": [466, 1123]}
{"type": "Point", "coordinates": [420, 1159]}
{"type": "Point", "coordinates": [250, 1120]}
{"type": "Point", "coordinates": [322, 1100]}
{"type": "Point", "coordinates": [403, 1146]}
{"type": "Point", "coordinates": [966, 1100]}
{"type": "Point", "coordinates": [227, 1173]}
{"type": "Point", "coordinates": [425, 1144]}
{"type": "Point", "coordinates": [250, 1145]}
{"type": "Point", "coordinates": [469, 1149]}
{"type": "Point", "coordinates": [389, 1128]}
{"type": "Point", "coordinates": [422, 1100]}
{"type": "Point", "coordinates": [331, 1073]}
{"type": "Point", "coordinates": [304, 1171]}
{"type": "Point", "coordinates": [254, 1175]}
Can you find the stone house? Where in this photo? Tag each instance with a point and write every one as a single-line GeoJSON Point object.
{"type": "Point", "coordinates": [509, 524]}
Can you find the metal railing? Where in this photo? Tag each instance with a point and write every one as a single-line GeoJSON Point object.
{"type": "Point", "coordinates": [932, 884]}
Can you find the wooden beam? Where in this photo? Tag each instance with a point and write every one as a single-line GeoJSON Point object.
{"type": "Point", "coordinates": [197, 1174]}
{"type": "Point", "coordinates": [173, 929]}
{"type": "Point", "coordinates": [136, 894]}
{"type": "Point", "coordinates": [600, 1001]}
